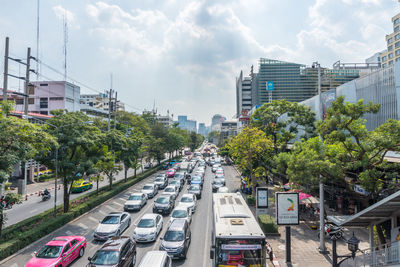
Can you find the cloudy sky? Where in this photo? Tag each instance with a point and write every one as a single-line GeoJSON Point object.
{"type": "Point", "coordinates": [185, 54]}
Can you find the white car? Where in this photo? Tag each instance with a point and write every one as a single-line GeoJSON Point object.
{"type": "Point", "coordinates": [215, 167]}
{"type": "Point", "coordinates": [181, 212]}
{"type": "Point", "coordinates": [148, 228]}
{"type": "Point", "coordinates": [112, 225]}
{"type": "Point", "coordinates": [136, 201]}
{"type": "Point", "coordinates": [150, 190]}
{"type": "Point", "coordinates": [171, 190]}
{"type": "Point", "coordinates": [188, 200]}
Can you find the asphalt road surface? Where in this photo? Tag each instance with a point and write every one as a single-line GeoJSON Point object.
{"type": "Point", "coordinates": [198, 254]}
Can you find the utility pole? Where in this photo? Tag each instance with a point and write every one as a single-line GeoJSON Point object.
{"type": "Point", "coordinates": [5, 81]}
{"type": "Point", "coordinates": [115, 111]}
{"type": "Point", "coordinates": [26, 91]}
{"type": "Point", "coordinates": [109, 108]}
{"type": "Point", "coordinates": [37, 41]}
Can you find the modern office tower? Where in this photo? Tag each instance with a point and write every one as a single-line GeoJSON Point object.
{"type": "Point", "coordinates": [392, 53]}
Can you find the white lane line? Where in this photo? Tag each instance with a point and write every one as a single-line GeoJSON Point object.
{"type": "Point", "coordinates": [102, 212]}
{"type": "Point", "coordinates": [109, 207]}
{"type": "Point", "coordinates": [69, 233]}
{"type": "Point", "coordinates": [14, 265]}
{"type": "Point", "coordinates": [82, 226]}
{"type": "Point", "coordinates": [93, 219]}
{"type": "Point", "coordinates": [118, 204]}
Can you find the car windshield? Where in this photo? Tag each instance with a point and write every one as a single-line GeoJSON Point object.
{"type": "Point", "coordinates": [196, 179]}
{"type": "Point", "coordinates": [135, 198]}
{"type": "Point", "coordinates": [111, 220]}
{"type": "Point", "coordinates": [194, 188]}
{"type": "Point", "coordinates": [169, 189]}
{"type": "Point", "coordinates": [146, 223]}
{"type": "Point", "coordinates": [105, 257]}
{"type": "Point", "coordinates": [49, 252]}
{"type": "Point", "coordinates": [147, 187]}
{"type": "Point", "coordinates": [187, 199]}
{"type": "Point", "coordinates": [159, 180]}
{"type": "Point", "coordinates": [179, 214]}
{"type": "Point", "coordinates": [178, 175]}
{"type": "Point", "coordinates": [162, 200]}
{"type": "Point", "coordinates": [174, 236]}
{"type": "Point", "coordinates": [218, 181]}
{"type": "Point", "coordinates": [175, 182]}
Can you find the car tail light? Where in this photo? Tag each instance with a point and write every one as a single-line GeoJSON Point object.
{"type": "Point", "coordinates": [328, 230]}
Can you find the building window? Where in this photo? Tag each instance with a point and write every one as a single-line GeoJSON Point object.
{"type": "Point", "coordinates": [57, 98]}
{"type": "Point", "coordinates": [44, 112]}
{"type": "Point", "coordinates": [31, 101]}
{"type": "Point", "coordinates": [31, 90]}
{"type": "Point", "coordinates": [397, 36]}
{"type": "Point", "coordinates": [19, 101]}
{"type": "Point", "coordinates": [397, 52]}
{"type": "Point", "coordinates": [396, 29]}
{"type": "Point", "coordinates": [44, 102]}
{"type": "Point", "coordinates": [383, 65]}
{"type": "Point", "coordinates": [398, 59]}
{"type": "Point", "coordinates": [390, 55]}
{"type": "Point", "coordinates": [384, 58]}
{"type": "Point", "coordinates": [69, 100]}
{"type": "Point", "coordinates": [390, 47]}
{"type": "Point", "coordinates": [390, 40]}
{"type": "Point", "coordinates": [396, 21]}
{"type": "Point", "coordinates": [44, 84]}
{"type": "Point", "coordinates": [390, 62]}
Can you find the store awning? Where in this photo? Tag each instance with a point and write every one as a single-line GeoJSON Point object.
{"type": "Point", "coordinates": [377, 213]}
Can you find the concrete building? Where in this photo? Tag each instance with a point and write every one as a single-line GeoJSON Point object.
{"type": "Point", "coordinates": [191, 126]}
{"type": "Point", "coordinates": [375, 58]}
{"type": "Point", "coordinates": [166, 121]}
{"type": "Point", "coordinates": [101, 101]}
{"type": "Point", "coordinates": [216, 121]}
{"type": "Point", "coordinates": [182, 121]}
{"type": "Point", "coordinates": [46, 96]}
{"type": "Point", "coordinates": [392, 52]}
{"type": "Point", "coordinates": [228, 129]}
{"type": "Point", "coordinates": [243, 94]}
{"type": "Point", "coordinates": [202, 129]}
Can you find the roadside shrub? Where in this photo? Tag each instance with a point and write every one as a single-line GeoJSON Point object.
{"type": "Point", "coordinates": [251, 200]}
{"type": "Point", "coordinates": [268, 224]}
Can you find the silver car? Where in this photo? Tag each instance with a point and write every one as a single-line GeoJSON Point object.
{"type": "Point", "coordinates": [136, 201]}
{"type": "Point", "coordinates": [161, 181]}
{"type": "Point", "coordinates": [171, 190]}
{"type": "Point", "coordinates": [112, 225]}
{"type": "Point", "coordinates": [181, 212]}
{"type": "Point", "coordinates": [148, 228]}
{"type": "Point", "coordinates": [189, 200]}
{"type": "Point", "coordinates": [150, 190]}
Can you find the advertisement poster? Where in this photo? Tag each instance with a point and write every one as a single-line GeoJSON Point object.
{"type": "Point", "coordinates": [287, 208]}
{"type": "Point", "coordinates": [262, 197]}
{"type": "Point", "coordinates": [395, 234]}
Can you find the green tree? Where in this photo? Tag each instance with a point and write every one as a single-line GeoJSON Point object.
{"type": "Point", "coordinates": [249, 149]}
{"type": "Point", "coordinates": [107, 166]}
{"type": "Point", "coordinates": [131, 152]}
{"type": "Point", "coordinates": [76, 138]}
{"type": "Point", "coordinates": [283, 120]}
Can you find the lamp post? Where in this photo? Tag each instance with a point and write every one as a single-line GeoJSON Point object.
{"type": "Point", "coordinates": [352, 245]}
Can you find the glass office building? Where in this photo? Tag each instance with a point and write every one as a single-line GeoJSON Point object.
{"type": "Point", "coordinates": [297, 82]}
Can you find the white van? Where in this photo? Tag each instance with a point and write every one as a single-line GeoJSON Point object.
{"type": "Point", "coordinates": [155, 259]}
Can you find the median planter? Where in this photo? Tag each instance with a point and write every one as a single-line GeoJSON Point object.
{"type": "Point", "coordinates": [20, 235]}
{"type": "Point", "coordinates": [251, 200]}
{"type": "Point", "coordinates": [268, 224]}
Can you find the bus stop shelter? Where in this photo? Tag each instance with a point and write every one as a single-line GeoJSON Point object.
{"type": "Point", "coordinates": [386, 209]}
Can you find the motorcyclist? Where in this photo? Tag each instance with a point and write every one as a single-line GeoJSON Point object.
{"type": "Point", "coordinates": [46, 192]}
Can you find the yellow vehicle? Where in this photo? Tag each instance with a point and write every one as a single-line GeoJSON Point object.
{"type": "Point", "coordinates": [81, 185]}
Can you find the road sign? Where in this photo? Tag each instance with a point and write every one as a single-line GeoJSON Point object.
{"type": "Point", "coordinates": [287, 208]}
{"type": "Point", "coordinates": [270, 86]}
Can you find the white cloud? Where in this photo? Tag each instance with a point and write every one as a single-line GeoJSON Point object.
{"type": "Point", "coordinates": [62, 13]}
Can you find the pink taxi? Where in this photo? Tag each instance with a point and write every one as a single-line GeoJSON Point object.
{"type": "Point", "coordinates": [59, 252]}
{"type": "Point", "coordinates": [170, 173]}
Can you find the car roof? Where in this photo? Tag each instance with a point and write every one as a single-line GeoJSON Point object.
{"type": "Point", "coordinates": [137, 194]}
{"type": "Point", "coordinates": [170, 186]}
{"type": "Point", "coordinates": [149, 184]}
{"type": "Point", "coordinates": [115, 213]}
{"type": "Point", "coordinates": [151, 258]}
{"type": "Point", "coordinates": [115, 243]}
{"type": "Point", "coordinates": [181, 207]}
{"type": "Point", "coordinates": [149, 216]}
{"type": "Point", "coordinates": [62, 240]}
{"type": "Point", "coordinates": [177, 225]}
{"type": "Point", "coordinates": [187, 195]}
{"type": "Point", "coordinates": [164, 196]}
{"type": "Point", "coordinates": [195, 185]}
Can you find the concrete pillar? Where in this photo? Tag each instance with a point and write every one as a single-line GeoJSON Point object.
{"type": "Point", "coordinates": [31, 171]}
{"type": "Point", "coordinates": [371, 237]}
{"type": "Point", "coordinates": [393, 221]}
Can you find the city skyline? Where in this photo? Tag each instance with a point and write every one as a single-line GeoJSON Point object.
{"type": "Point", "coordinates": [185, 55]}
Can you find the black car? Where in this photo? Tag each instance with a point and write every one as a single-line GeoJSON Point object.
{"type": "Point", "coordinates": [118, 251]}
{"type": "Point", "coordinates": [181, 177]}
{"type": "Point", "coordinates": [176, 240]}
{"type": "Point", "coordinates": [161, 181]}
{"type": "Point", "coordinates": [164, 204]}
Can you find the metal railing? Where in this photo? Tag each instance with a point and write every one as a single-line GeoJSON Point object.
{"type": "Point", "coordinates": [385, 255]}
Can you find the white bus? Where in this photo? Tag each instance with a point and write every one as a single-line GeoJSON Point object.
{"type": "Point", "coordinates": [237, 239]}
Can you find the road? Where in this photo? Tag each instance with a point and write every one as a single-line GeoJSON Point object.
{"type": "Point", "coordinates": [198, 254]}
{"type": "Point", "coordinates": [34, 205]}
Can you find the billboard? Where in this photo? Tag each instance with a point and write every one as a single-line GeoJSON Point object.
{"type": "Point", "coordinates": [287, 208]}
{"type": "Point", "coordinates": [261, 197]}
{"type": "Point", "coordinates": [270, 86]}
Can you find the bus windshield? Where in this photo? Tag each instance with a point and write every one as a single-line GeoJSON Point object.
{"type": "Point", "coordinates": [239, 254]}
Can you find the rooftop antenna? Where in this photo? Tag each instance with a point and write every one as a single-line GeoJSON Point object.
{"type": "Point", "coordinates": [37, 41]}
{"type": "Point", "coordinates": [154, 104]}
{"type": "Point", "coordinates": [65, 22]}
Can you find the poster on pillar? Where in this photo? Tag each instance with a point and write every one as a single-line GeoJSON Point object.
{"type": "Point", "coordinates": [395, 234]}
{"type": "Point", "coordinates": [287, 208]}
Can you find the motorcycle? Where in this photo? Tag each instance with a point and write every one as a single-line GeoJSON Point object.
{"type": "Point", "coordinates": [331, 230]}
{"type": "Point", "coordinates": [46, 197]}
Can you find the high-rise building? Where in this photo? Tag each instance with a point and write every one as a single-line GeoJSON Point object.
{"type": "Point", "coordinates": [216, 121]}
{"type": "Point", "coordinates": [392, 53]}
{"type": "Point", "coordinates": [243, 94]}
{"type": "Point", "coordinates": [202, 129]}
{"type": "Point", "coordinates": [166, 121]}
{"type": "Point", "coordinates": [182, 121]}
{"type": "Point", "coordinates": [101, 101]}
{"type": "Point", "coordinates": [191, 125]}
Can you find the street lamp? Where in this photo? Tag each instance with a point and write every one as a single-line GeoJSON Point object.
{"type": "Point", "coordinates": [352, 245]}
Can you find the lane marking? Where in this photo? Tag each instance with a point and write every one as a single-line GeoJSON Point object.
{"type": "Point", "coordinates": [101, 212]}
{"type": "Point", "coordinates": [32, 211]}
{"type": "Point", "coordinates": [82, 226]}
{"type": "Point", "coordinates": [93, 219]}
{"type": "Point", "coordinates": [118, 204]}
